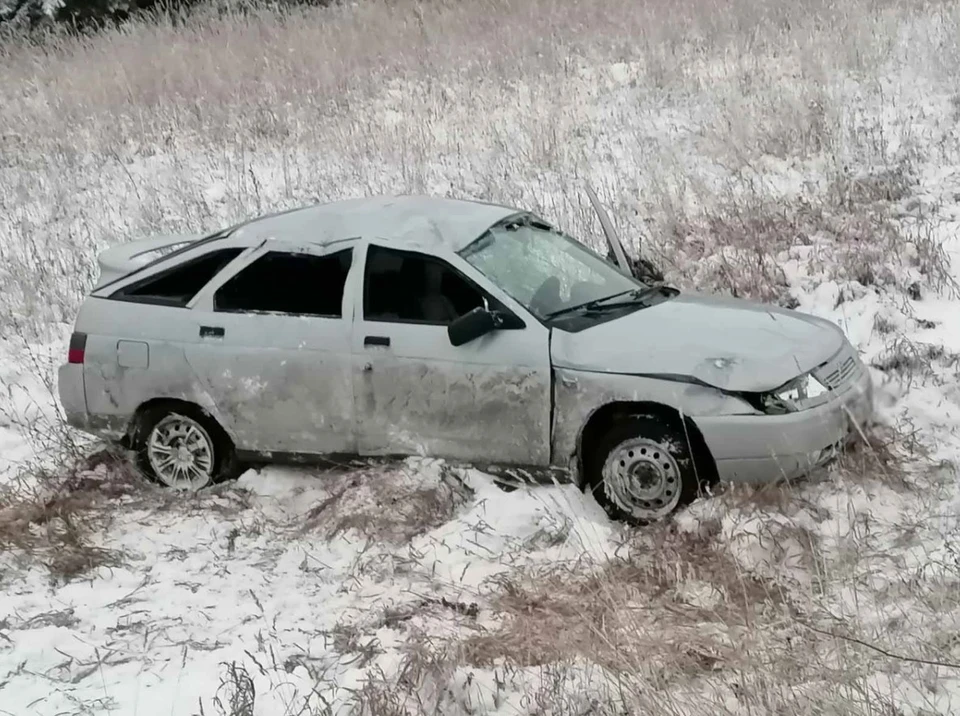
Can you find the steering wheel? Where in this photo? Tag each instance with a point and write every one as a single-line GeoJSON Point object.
{"type": "Point", "coordinates": [547, 297]}
{"type": "Point", "coordinates": [583, 291]}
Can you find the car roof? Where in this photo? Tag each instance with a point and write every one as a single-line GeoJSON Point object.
{"type": "Point", "coordinates": [424, 222]}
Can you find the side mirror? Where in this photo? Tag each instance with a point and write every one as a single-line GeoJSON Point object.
{"type": "Point", "coordinates": [472, 325]}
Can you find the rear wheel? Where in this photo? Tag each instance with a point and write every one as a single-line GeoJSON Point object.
{"type": "Point", "coordinates": [181, 447]}
{"type": "Point", "coordinates": [643, 469]}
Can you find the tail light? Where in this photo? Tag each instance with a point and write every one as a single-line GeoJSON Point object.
{"type": "Point", "coordinates": [78, 344]}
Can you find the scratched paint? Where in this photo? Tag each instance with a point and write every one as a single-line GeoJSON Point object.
{"type": "Point", "coordinates": [580, 394]}
{"type": "Point", "coordinates": [485, 413]}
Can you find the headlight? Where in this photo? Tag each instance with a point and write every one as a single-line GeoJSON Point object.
{"type": "Point", "coordinates": [786, 398]}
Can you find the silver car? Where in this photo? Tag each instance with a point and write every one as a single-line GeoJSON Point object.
{"type": "Point", "coordinates": [455, 329]}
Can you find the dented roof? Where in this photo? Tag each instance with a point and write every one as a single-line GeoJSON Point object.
{"type": "Point", "coordinates": [414, 221]}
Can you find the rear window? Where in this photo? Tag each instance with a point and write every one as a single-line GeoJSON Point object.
{"type": "Point", "coordinates": [179, 284]}
{"type": "Point", "coordinates": [169, 253]}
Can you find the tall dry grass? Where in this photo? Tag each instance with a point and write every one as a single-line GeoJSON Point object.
{"type": "Point", "coordinates": [680, 621]}
{"type": "Point", "coordinates": [735, 138]}
{"type": "Point", "coordinates": [685, 114]}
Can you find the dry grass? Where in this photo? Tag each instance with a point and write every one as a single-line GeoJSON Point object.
{"type": "Point", "coordinates": [237, 693]}
{"type": "Point", "coordinates": [668, 612]}
{"type": "Point", "coordinates": [680, 113]}
{"type": "Point", "coordinates": [886, 454]}
{"type": "Point", "coordinates": [733, 608]}
{"type": "Point", "coordinates": [55, 523]}
{"type": "Point", "coordinates": [319, 60]}
{"type": "Point", "coordinates": [676, 626]}
{"type": "Point", "coordinates": [848, 234]}
{"type": "Point", "coordinates": [386, 504]}
{"type": "Point", "coordinates": [746, 144]}
{"type": "Point", "coordinates": [912, 361]}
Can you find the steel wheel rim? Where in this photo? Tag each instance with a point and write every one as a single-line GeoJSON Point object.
{"type": "Point", "coordinates": [180, 452]}
{"type": "Point", "coordinates": [642, 478]}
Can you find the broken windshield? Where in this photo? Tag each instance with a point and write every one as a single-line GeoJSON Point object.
{"type": "Point", "coordinates": [544, 270]}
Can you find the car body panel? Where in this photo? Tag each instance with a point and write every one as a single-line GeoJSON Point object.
{"type": "Point", "coordinates": [747, 446]}
{"type": "Point", "coordinates": [120, 259]}
{"type": "Point", "coordinates": [286, 384]}
{"type": "Point", "coordinates": [758, 448]}
{"type": "Point", "coordinates": [280, 383]}
{"type": "Point", "coordinates": [727, 343]}
{"type": "Point", "coordinates": [293, 395]}
{"type": "Point", "coordinates": [113, 391]}
{"type": "Point", "coordinates": [414, 222]}
{"type": "Point", "coordinates": [136, 269]}
{"type": "Point", "coordinates": [73, 397]}
{"type": "Point", "coordinates": [580, 394]}
{"type": "Point", "coordinates": [422, 395]}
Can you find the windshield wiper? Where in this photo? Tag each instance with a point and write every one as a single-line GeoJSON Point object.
{"type": "Point", "coordinates": [637, 295]}
{"type": "Point", "coordinates": [598, 303]}
{"type": "Point", "coordinates": [630, 298]}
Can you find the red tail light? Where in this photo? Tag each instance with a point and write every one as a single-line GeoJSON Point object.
{"type": "Point", "coordinates": [78, 344]}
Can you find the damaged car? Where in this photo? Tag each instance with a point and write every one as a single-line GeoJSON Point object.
{"type": "Point", "coordinates": [455, 329]}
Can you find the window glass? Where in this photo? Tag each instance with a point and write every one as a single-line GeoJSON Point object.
{"type": "Point", "coordinates": [178, 285]}
{"type": "Point", "coordinates": [409, 287]}
{"type": "Point", "coordinates": [282, 282]}
{"type": "Point", "coordinates": [543, 269]}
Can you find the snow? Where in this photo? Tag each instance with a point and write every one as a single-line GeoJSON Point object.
{"type": "Point", "coordinates": [320, 583]}
{"type": "Point", "coordinates": [237, 571]}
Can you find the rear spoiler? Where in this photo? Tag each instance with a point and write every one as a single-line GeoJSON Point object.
{"type": "Point", "coordinates": [120, 260]}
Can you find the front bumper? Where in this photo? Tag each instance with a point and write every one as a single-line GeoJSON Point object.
{"type": "Point", "coordinates": [765, 448]}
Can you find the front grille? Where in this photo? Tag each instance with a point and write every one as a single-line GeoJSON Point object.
{"type": "Point", "coordinates": [840, 370]}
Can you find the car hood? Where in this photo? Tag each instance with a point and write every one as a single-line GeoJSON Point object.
{"type": "Point", "coordinates": [723, 342]}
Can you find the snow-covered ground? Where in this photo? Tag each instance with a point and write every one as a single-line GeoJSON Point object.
{"type": "Point", "coordinates": [819, 167]}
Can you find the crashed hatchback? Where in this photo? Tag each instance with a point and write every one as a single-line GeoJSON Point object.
{"type": "Point", "coordinates": [455, 329]}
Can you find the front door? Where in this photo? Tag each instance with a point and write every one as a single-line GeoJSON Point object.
{"type": "Point", "coordinates": [273, 351]}
{"type": "Point", "coordinates": [416, 393]}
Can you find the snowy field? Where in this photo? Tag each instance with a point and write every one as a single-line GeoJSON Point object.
{"type": "Point", "coordinates": [787, 151]}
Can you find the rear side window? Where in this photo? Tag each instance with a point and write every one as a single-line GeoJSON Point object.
{"type": "Point", "coordinates": [281, 282]}
{"type": "Point", "coordinates": [179, 284]}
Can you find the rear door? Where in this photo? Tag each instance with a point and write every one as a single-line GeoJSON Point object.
{"type": "Point", "coordinates": [272, 347]}
{"type": "Point", "coordinates": [416, 393]}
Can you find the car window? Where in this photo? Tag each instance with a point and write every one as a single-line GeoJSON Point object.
{"type": "Point", "coordinates": [179, 284]}
{"type": "Point", "coordinates": [543, 269]}
{"type": "Point", "coordinates": [290, 283]}
{"type": "Point", "coordinates": [407, 287]}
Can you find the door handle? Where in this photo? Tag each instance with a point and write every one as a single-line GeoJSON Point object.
{"type": "Point", "coordinates": [376, 341]}
{"type": "Point", "coordinates": [212, 332]}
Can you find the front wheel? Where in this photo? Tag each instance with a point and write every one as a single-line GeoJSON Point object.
{"type": "Point", "coordinates": [643, 469]}
{"type": "Point", "coordinates": [181, 447]}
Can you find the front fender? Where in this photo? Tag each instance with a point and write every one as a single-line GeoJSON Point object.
{"type": "Point", "coordinates": [580, 394]}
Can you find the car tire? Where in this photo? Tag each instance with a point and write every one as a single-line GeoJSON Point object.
{"type": "Point", "coordinates": [181, 447]}
{"type": "Point", "coordinates": [643, 469]}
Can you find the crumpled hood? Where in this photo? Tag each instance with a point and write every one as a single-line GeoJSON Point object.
{"type": "Point", "coordinates": [727, 343]}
